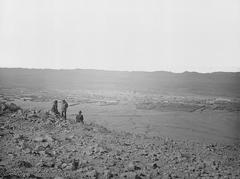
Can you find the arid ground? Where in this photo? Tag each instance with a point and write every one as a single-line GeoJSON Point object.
{"type": "Point", "coordinates": [206, 119]}
{"type": "Point", "coordinates": [127, 133]}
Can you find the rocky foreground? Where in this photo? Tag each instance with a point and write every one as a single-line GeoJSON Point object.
{"type": "Point", "coordinates": [35, 144]}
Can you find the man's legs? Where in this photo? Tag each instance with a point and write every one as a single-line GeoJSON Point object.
{"type": "Point", "coordinates": [65, 114]}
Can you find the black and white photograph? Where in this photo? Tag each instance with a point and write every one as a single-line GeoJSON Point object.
{"type": "Point", "coordinates": [119, 89]}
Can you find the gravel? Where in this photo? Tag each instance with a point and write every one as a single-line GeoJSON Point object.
{"type": "Point", "coordinates": [47, 147]}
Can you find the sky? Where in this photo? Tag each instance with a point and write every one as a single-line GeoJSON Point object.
{"type": "Point", "coordinates": [126, 35]}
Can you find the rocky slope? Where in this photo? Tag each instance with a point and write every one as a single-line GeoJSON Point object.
{"type": "Point", "coordinates": [35, 144]}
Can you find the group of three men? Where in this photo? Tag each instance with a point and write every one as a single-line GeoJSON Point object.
{"type": "Point", "coordinates": [64, 106]}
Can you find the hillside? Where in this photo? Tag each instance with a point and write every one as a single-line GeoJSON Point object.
{"type": "Point", "coordinates": [38, 145]}
{"type": "Point", "coordinates": [208, 84]}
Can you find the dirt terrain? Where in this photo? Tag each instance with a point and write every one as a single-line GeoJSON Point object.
{"type": "Point", "coordinates": [35, 144]}
{"type": "Point", "coordinates": [191, 117]}
{"type": "Point", "coordinates": [137, 124]}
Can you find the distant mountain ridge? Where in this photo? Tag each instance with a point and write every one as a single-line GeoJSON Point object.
{"type": "Point", "coordinates": [213, 84]}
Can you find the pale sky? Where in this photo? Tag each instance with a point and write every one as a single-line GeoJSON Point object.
{"type": "Point", "coordinates": [132, 35]}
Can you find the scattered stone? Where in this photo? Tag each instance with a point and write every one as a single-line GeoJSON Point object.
{"type": "Point", "coordinates": [111, 153]}
{"type": "Point", "coordinates": [27, 150]}
{"type": "Point", "coordinates": [3, 170]}
{"type": "Point", "coordinates": [92, 174]}
{"type": "Point", "coordinates": [69, 137]}
{"type": "Point", "coordinates": [83, 164]}
{"type": "Point", "coordinates": [132, 167]}
{"type": "Point", "coordinates": [107, 174]}
{"type": "Point", "coordinates": [45, 138]}
{"type": "Point", "coordinates": [38, 139]}
{"type": "Point", "coordinates": [130, 175]}
{"type": "Point", "coordinates": [18, 137]}
{"type": "Point", "coordinates": [11, 177]}
{"type": "Point", "coordinates": [68, 167]}
{"type": "Point", "coordinates": [12, 155]}
{"type": "Point", "coordinates": [154, 165]}
{"type": "Point", "coordinates": [48, 139]}
{"type": "Point", "coordinates": [34, 115]}
{"type": "Point", "coordinates": [24, 164]}
{"type": "Point", "coordinates": [64, 165]}
{"type": "Point", "coordinates": [49, 163]}
{"type": "Point", "coordinates": [57, 177]}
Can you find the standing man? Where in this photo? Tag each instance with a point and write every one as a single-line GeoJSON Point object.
{"type": "Point", "coordinates": [79, 117]}
{"type": "Point", "coordinates": [64, 109]}
{"type": "Point", "coordinates": [54, 108]}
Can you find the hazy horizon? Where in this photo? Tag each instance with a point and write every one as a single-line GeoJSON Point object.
{"type": "Point", "coordinates": [170, 35]}
{"type": "Point", "coordinates": [190, 71]}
